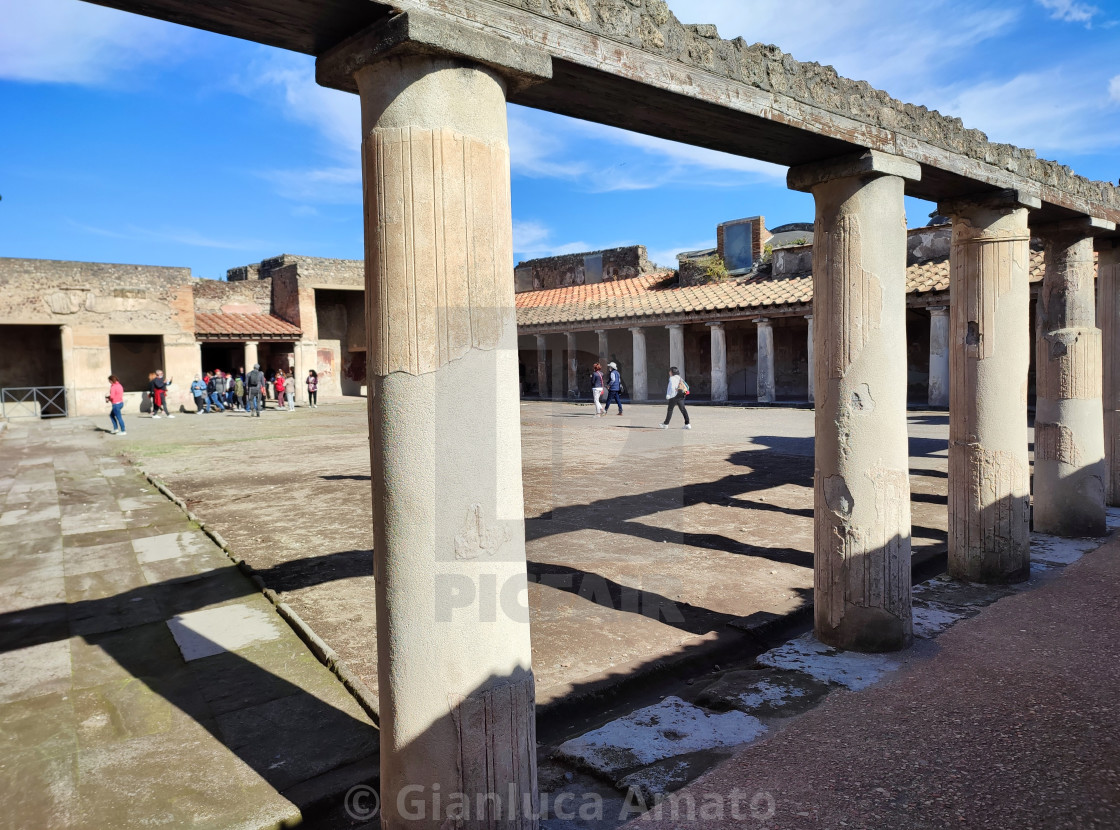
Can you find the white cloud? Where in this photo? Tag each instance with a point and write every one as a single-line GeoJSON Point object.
{"type": "Point", "coordinates": [1070, 11]}
{"type": "Point", "coordinates": [667, 257]}
{"type": "Point", "coordinates": [533, 239]}
{"type": "Point", "coordinates": [1114, 88]}
{"type": "Point", "coordinates": [66, 41]}
{"type": "Point", "coordinates": [178, 236]}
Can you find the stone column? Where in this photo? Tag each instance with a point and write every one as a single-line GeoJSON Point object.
{"type": "Point", "coordinates": [454, 664]}
{"type": "Point", "coordinates": [676, 348]}
{"type": "Point", "coordinates": [938, 356]}
{"type": "Point", "coordinates": [719, 362]}
{"type": "Point", "coordinates": [810, 362]}
{"type": "Point", "coordinates": [765, 358]}
{"type": "Point", "coordinates": [542, 366]}
{"type": "Point", "coordinates": [250, 354]}
{"type": "Point", "coordinates": [1069, 466]}
{"type": "Point", "coordinates": [69, 372]}
{"type": "Point", "coordinates": [989, 486]}
{"type": "Point", "coordinates": [862, 485]}
{"type": "Point", "coordinates": [1108, 317]}
{"type": "Point", "coordinates": [604, 349]}
{"type": "Point", "coordinates": [573, 367]}
{"type": "Point", "coordinates": [640, 392]}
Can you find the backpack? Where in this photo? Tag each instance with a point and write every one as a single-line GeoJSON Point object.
{"type": "Point", "coordinates": [682, 386]}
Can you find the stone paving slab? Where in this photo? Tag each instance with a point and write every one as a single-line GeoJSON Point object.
{"type": "Point", "coordinates": [103, 722]}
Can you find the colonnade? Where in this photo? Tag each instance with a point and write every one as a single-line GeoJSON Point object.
{"type": "Point", "coordinates": [456, 680]}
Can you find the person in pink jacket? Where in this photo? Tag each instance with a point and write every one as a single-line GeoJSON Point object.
{"type": "Point", "coordinates": [116, 398]}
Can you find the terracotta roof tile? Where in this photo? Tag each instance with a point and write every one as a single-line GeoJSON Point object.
{"type": "Point", "coordinates": [248, 326]}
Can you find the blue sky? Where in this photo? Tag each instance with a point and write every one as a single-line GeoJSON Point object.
{"type": "Point", "coordinates": [130, 140]}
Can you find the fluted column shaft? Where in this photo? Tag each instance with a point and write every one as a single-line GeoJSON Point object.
{"type": "Point", "coordinates": [938, 356]}
{"type": "Point", "coordinates": [719, 362]}
{"type": "Point", "coordinates": [765, 363]}
{"type": "Point", "coordinates": [640, 392]}
{"type": "Point", "coordinates": [1108, 315]}
{"type": "Point", "coordinates": [810, 361]}
{"type": "Point", "coordinates": [573, 366]}
{"type": "Point", "coordinates": [542, 366]}
{"type": "Point", "coordinates": [676, 347]}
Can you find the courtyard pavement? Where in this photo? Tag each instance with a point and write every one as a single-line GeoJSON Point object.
{"type": "Point", "coordinates": [143, 678]}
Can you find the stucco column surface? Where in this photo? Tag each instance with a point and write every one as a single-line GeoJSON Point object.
{"type": "Point", "coordinates": [719, 362]}
{"type": "Point", "coordinates": [765, 359]}
{"type": "Point", "coordinates": [640, 392]}
{"type": "Point", "coordinates": [251, 357]}
{"type": "Point", "coordinates": [454, 666]}
{"type": "Point", "coordinates": [938, 356]}
{"type": "Point", "coordinates": [862, 486]}
{"type": "Point", "coordinates": [1108, 315]}
{"type": "Point", "coordinates": [676, 348]}
{"type": "Point", "coordinates": [573, 366]}
{"type": "Point", "coordinates": [69, 370]}
{"type": "Point", "coordinates": [542, 366]}
{"type": "Point", "coordinates": [810, 361]}
{"type": "Point", "coordinates": [604, 349]}
{"type": "Point", "coordinates": [989, 487]}
{"type": "Point", "coordinates": [1069, 464]}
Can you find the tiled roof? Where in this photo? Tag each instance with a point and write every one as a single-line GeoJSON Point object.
{"type": "Point", "coordinates": [656, 295]}
{"type": "Point", "coordinates": [248, 326]}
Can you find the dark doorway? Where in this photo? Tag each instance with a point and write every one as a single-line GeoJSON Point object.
{"type": "Point", "coordinates": [133, 357]}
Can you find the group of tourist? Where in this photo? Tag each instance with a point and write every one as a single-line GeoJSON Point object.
{"type": "Point", "coordinates": [675, 393]}
{"type": "Point", "coordinates": [221, 391]}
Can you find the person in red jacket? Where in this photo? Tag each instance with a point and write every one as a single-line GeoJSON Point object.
{"type": "Point", "coordinates": [279, 382]}
{"type": "Point", "coordinates": [116, 399]}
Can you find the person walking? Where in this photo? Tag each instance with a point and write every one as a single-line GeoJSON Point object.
{"type": "Point", "coordinates": [312, 388]}
{"type": "Point", "coordinates": [290, 389]}
{"type": "Point", "coordinates": [278, 384]}
{"type": "Point", "coordinates": [217, 389]}
{"type": "Point", "coordinates": [116, 399]}
{"type": "Point", "coordinates": [158, 390]}
{"type": "Point", "coordinates": [198, 392]}
{"type": "Point", "coordinates": [255, 381]}
{"type": "Point", "coordinates": [675, 395]}
{"type": "Point", "coordinates": [239, 392]}
{"type": "Point", "coordinates": [597, 389]}
{"type": "Point", "coordinates": [615, 393]}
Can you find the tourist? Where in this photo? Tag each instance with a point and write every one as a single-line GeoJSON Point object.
{"type": "Point", "coordinates": [217, 389]}
{"type": "Point", "coordinates": [198, 392]}
{"type": "Point", "coordinates": [675, 395]}
{"type": "Point", "coordinates": [158, 389]}
{"type": "Point", "coordinates": [278, 383]}
{"type": "Point", "coordinates": [312, 389]}
{"type": "Point", "coordinates": [290, 389]}
{"type": "Point", "coordinates": [231, 397]}
{"type": "Point", "coordinates": [239, 392]}
{"type": "Point", "coordinates": [254, 383]}
{"type": "Point", "coordinates": [116, 399]}
{"type": "Point", "coordinates": [597, 387]}
{"type": "Point", "coordinates": [615, 393]}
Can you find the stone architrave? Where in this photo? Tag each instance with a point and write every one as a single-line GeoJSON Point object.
{"type": "Point", "coordinates": [809, 362]}
{"type": "Point", "coordinates": [719, 362]}
{"type": "Point", "coordinates": [938, 356]}
{"type": "Point", "coordinates": [1108, 317]}
{"type": "Point", "coordinates": [676, 347]}
{"type": "Point", "coordinates": [767, 392]}
{"type": "Point", "coordinates": [989, 352]}
{"type": "Point", "coordinates": [640, 392]}
{"type": "Point", "coordinates": [862, 486]}
{"type": "Point", "coordinates": [1069, 465]}
{"type": "Point", "coordinates": [454, 659]}
{"type": "Point", "coordinates": [604, 350]}
{"type": "Point", "coordinates": [573, 366]}
{"type": "Point", "coordinates": [542, 366]}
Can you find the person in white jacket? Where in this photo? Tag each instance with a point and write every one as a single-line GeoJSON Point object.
{"type": "Point", "coordinates": [675, 394]}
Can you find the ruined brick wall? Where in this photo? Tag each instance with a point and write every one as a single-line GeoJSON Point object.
{"type": "Point", "coordinates": [243, 297]}
{"type": "Point", "coordinates": [572, 269]}
{"type": "Point", "coordinates": [320, 270]}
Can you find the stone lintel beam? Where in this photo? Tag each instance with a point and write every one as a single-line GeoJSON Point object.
{"type": "Point", "coordinates": [994, 199]}
{"type": "Point", "coordinates": [1079, 226]}
{"type": "Point", "coordinates": [869, 163]}
{"type": "Point", "coordinates": [417, 33]}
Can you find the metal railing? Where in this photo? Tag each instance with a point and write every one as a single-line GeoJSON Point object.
{"type": "Point", "coordinates": [33, 402]}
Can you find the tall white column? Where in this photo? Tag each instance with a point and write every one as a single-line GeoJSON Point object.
{"type": "Point", "coordinates": [676, 347]}
{"type": "Point", "coordinates": [250, 355]}
{"type": "Point", "coordinates": [811, 362]}
{"type": "Point", "coordinates": [862, 488]}
{"type": "Point", "coordinates": [1070, 473]}
{"type": "Point", "coordinates": [640, 392]}
{"type": "Point", "coordinates": [1108, 317]}
{"type": "Point", "coordinates": [542, 366]}
{"type": "Point", "coordinates": [573, 367]}
{"type": "Point", "coordinates": [69, 373]}
{"type": "Point", "coordinates": [989, 485]}
{"type": "Point", "coordinates": [938, 356]}
{"type": "Point", "coordinates": [454, 664]}
{"type": "Point", "coordinates": [765, 359]}
{"type": "Point", "coordinates": [719, 362]}
{"type": "Point", "coordinates": [604, 351]}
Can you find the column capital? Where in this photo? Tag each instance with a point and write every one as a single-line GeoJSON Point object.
{"type": "Point", "coordinates": [870, 163]}
{"type": "Point", "coordinates": [671, 326]}
{"type": "Point", "coordinates": [938, 310]}
{"type": "Point", "coordinates": [1008, 199]}
{"type": "Point", "coordinates": [716, 325]}
{"type": "Point", "coordinates": [417, 33]}
{"type": "Point", "coordinates": [637, 329]}
{"type": "Point", "coordinates": [600, 331]}
{"type": "Point", "coordinates": [763, 321]}
{"type": "Point", "coordinates": [808, 316]}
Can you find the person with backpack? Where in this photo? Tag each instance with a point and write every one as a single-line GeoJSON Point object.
{"type": "Point", "coordinates": [615, 393]}
{"type": "Point", "coordinates": [217, 389]}
{"type": "Point", "coordinates": [597, 387]}
{"type": "Point", "coordinates": [675, 395]}
{"type": "Point", "coordinates": [254, 383]}
{"type": "Point", "coordinates": [239, 391]}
